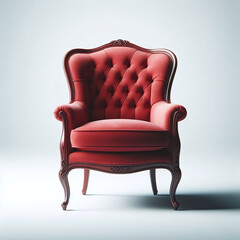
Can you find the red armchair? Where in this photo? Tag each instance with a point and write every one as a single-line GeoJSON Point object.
{"type": "Point", "coordinates": [120, 119]}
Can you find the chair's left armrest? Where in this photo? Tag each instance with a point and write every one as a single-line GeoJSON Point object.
{"type": "Point", "coordinates": [72, 115]}
{"type": "Point", "coordinates": [76, 114]}
{"type": "Point", "coordinates": [166, 114]}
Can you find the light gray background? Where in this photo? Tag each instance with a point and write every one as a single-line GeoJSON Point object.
{"type": "Point", "coordinates": [35, 35]}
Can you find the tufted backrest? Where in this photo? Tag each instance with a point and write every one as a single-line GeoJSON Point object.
{"type": "Point", "coordinates": [120, 79]}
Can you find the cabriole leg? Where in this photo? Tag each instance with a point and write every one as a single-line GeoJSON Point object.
{"type": "Point", "coordinates": [63, 176]}
{"type": "Point", "coordinates": [153, 181]}
{"type": "Point", "coordinates": [176, 176]}
{"type": "Point", "coordinates": [85, 181]}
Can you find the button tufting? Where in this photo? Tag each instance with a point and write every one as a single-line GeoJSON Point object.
{"type": "Point", "coordinates": [140, 90]}
{"type": "Point", "coordinates": [102, 76]}
{"type": "Point", "coordinates": [122, 73]}
{"type": "Point", "coordinates": [150, 79]}
{"type": "Point", "coordinates": [118, 76]}
{"type": "Point", "coordinates": [127, 63]}
{"type": "Point", "coordinates": [109, 63]}
{"type": "Point", "coordinates": [134, 76]}
{"type": "Point", "coordinates": [110, 89]}
{"type": "Point", "coordinates": [144, 63]}
{"type": "Point", "coordinates": [125, 89]}
{"type": "Point", "coordinates": [118, 103]}
{"type": "Point", "coordinates": [132, 104]}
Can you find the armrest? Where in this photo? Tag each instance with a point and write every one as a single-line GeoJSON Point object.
{"type": "Point", "coordinates": [165, 114]}
{"type": "Point", "coordinates": [76, 114]}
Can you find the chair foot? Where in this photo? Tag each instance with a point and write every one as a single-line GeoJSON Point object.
{"type": "Point", "coordinates": [176, 176]}
{"type": "Point", "coordinates": [175, 205]}
{"type": "Point", "coordinates": [63, 176]}
{"type": "Point", "coordinates": [153, 181]}
{"type": "Point", "coordinates": [85, 181]}
{"type": "Point", "coordinates": [64, 206]}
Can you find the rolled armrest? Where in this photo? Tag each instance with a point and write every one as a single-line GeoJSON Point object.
{"type": "Point", "coordinates": [76, 112]}
{"type": "Point", "coordinates": [164, 114]}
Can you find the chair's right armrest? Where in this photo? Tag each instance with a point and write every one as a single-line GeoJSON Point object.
{"type": "Point", "coordinates": [76, 114]}
{"type": "Point", "coordinates": [164, 114]}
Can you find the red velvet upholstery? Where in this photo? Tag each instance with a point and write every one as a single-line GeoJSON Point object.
{"type": "Point", "coordinates": [120, 119]}
{"type": "Point", "coordinates": [120, 82]}
{"type": "Point", "coordinates": [76, 112]}
{"type": "Point", "coordinates": [119, 158]}
{"type": "Point", "coordinates": [119, 135]}
{"type": "Point", "coordinates": [162, 114]}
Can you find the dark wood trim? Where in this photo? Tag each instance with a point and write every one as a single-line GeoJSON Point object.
{"type": "Point", "coordinates": [65, 151]}
{"type": "Point", "coordinates": [175, 151]}
{"type": "Point", "coordinates": [85, 181]}
{"type": "Point", "coordinates": [176, 176]}
{"type": "Point", "coordinates": [119, 42]}
{"type": "Point", "coordinates": [114, 168]}
{"type": "Point", "coordinates": [65, 145]}
{"type": "Point", "coordinates": [153, 181]}
{"type": "Point", "coordinates": [63, 176]}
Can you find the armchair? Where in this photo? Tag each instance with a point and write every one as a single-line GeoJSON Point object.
{"type": "Point", "coordinates": [120, 118]}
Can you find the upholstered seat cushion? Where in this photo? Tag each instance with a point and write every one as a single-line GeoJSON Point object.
{"type": "Point", "coordinates": [119, 135]}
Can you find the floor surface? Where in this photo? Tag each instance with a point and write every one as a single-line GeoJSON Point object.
{"type": "Point", "coordinates": [117, 206]}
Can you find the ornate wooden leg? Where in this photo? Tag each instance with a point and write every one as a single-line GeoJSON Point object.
{"type": "Point", "coordinates": [63, 176]}
{"type": "Point", "coordinates": [85, 181]}
{"type": "Point", "coordinates": [176, 176]}
{"type": "Point", "coordinates": [153, 181]}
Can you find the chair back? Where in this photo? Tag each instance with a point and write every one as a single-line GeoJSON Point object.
{"type": "Point", "coordinates": [120, 79]}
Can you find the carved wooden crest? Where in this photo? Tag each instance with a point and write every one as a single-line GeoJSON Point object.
{"type": "Point", "coordinates": [120, 168]}
{"type": "Point", "coordinates": [119, 42]}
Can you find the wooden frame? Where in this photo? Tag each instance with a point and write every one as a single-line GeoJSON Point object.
{"type": "Point", "coordinates": [65, 146]}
